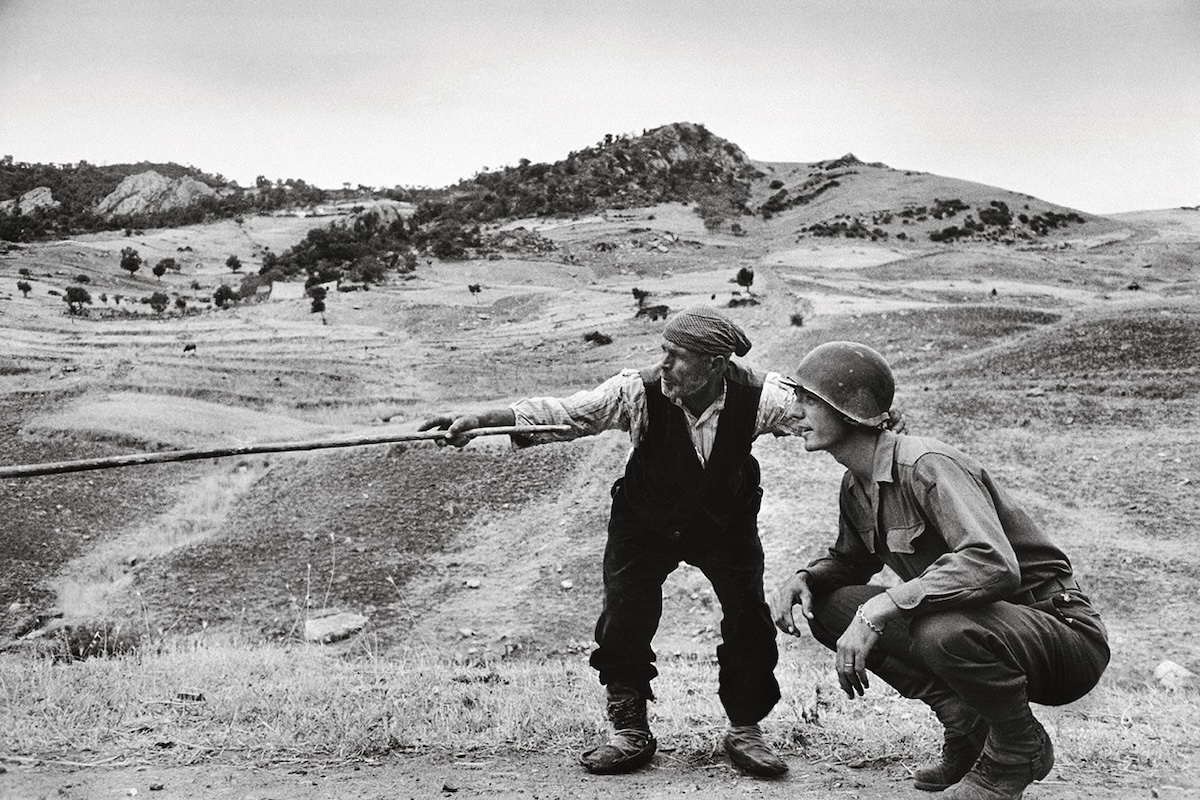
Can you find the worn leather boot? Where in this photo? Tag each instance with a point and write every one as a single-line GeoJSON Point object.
{"type": "Point", "coordinates": [749, 750]}
{"type": "Point", "coordinates": [632, 745]}
{"type": "Point", "coordinates": [965, 733]}
{"type": "Point", "coordinates": [1017, 753]}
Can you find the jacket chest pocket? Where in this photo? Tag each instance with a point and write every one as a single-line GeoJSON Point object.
{"type": "Point", "coordinates": [902, 537]}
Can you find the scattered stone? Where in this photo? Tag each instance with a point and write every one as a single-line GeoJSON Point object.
{"type": "Point", "coordinates": [473, 583]}
{"type": "Point", "coordinates": [567, 585]}
{"type": "Point", "coordinates": [1172, 676]}
{"type": "Point", "coordinates": [334, 627]}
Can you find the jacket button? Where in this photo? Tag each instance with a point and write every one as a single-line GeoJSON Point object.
{"type": "Point", "coordinates": [675, 534]}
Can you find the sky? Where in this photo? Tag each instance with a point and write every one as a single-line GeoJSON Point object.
{"type": "Point", "coordinates": [1093, 104]}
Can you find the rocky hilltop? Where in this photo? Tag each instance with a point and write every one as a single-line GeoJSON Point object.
{"type": "Point", "coordinates": [680, 162]}
{"type": "Point", "coordinates": [41, 197]}
{"type": "Point", "coordinates": [150, 193]}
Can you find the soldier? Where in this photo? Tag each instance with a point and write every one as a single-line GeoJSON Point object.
{"type": "Point", "coordinates": [988, 615]}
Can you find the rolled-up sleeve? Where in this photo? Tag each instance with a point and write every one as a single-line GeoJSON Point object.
{"type": "Point", "coordinates": [778, 413]}
{"type": "Point", "coordinates": [979, 565]}
{"type": "Point", "coordinates": [617, 404]}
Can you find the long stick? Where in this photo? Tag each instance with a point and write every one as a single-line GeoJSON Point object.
{"type": "Point", "coordinates": [138, 459]}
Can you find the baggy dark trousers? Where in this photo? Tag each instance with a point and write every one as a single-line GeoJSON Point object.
{"type": "Point", "coordinates": [991, 657]}
{"type": "Point", "coordinates": [635, 567]}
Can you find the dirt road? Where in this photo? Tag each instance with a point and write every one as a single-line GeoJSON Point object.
{"type": "Point", "coordinates": [507, 777]}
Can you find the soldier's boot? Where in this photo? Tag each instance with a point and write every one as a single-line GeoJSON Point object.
{"type": "Point", "coordinates": [631, 745]}
{"type": "Point", "coordinates": [1018, 752]}
{"type": "Point", "coordinates": [964, 735]}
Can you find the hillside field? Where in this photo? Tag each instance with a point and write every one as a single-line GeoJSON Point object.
{"type": "Point", "coordinates": [1071, 366]}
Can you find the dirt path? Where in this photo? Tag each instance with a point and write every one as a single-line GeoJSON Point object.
{"type": "Point", "coordinates": [509, 777]}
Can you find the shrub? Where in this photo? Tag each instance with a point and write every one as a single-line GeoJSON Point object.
{"type": "Point", "coordinates": [159, 301]}
{"type": "Point", "coordinates": [223, 295]}
{"type": "Point", "coordinates": [76, 298]}
{"type": "Point", "coordinates": [97, 640]}
{"type": "Point", "coordinates": [131, 261]}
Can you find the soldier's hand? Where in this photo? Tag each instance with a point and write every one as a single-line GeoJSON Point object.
{"type": "Point", "coordinates": [793, 592]}
{"type": "Point", "coordinates": [455, 427]}
{"type": "Point", "coordinates": [895, 421]}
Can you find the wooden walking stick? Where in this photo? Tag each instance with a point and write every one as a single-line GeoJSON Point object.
{"type": "Point", "coordinates": [139, 459]}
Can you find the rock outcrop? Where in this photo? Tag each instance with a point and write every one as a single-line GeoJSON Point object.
{"type": "Point", "coordinates": [149, 193]}
{"type": "Point", "coordinates": [40, 197]}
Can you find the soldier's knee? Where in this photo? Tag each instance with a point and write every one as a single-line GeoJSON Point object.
{"type": "Point", "coordinates": [937, 637]}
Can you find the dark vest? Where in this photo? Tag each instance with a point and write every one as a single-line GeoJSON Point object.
{"type": "Point", "coordinates": [665, 486]}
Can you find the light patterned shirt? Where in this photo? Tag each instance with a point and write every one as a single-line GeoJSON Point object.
{"type": "Point", "coordinates": [620, 404]}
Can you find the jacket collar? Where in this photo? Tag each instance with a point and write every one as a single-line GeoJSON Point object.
{"type": "Point", "coordinates": [882, 471]}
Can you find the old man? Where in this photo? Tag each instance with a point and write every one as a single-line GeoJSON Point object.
{"type": "Point", "coordinates": [690, 493]}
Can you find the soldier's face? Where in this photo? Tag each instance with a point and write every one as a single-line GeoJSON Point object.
{"type": "Point", "coordinates": [821, 425]}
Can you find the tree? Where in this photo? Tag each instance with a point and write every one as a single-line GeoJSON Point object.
{"type": "Point", "coordinates": [24, 287]}
{"type": "Point", "coordinates": [77, 297]}
{"type": "Point", "coordinates": [181, 304]}
{"type": "Point", "coordinates": [745, 278]}
{"type": "Point", "coordinates": [159, 301]}
{"type": "Point", "coordinates": [163, 265]}
{"type": "Point", "coordinates": [131, 261]}
{"type": "Point", "coordinates": [223, 295]}
{"type": "Point", "coordinates": [317, 293]}
{"type": "Point", "coordinates": [234, 263]}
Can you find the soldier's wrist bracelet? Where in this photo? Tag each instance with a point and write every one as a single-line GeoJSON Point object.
{"type": "Point", "coordinates": [875, 628]}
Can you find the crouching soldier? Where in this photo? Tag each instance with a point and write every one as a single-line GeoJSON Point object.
{"type": "Point", "coordinates": [988, 616]}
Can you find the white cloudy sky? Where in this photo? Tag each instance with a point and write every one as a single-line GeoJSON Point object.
{"type": "Point", "coordinates": [1094, 104]}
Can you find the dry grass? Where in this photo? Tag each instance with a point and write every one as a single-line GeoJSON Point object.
{"type": "Point", "coordinates": [214, 698]}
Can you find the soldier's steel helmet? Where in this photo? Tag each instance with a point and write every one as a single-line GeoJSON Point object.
{"type": "Point", "coordinates": [852, 378]}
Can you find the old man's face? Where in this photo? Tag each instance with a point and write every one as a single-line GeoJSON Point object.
{"type": "Point", "coordinates": [685, 373]}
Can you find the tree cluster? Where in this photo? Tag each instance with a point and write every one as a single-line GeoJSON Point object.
{"type": "Point", "coordinates": [363, 251]}
{"type": "Point", "coordinates": [675, 163]}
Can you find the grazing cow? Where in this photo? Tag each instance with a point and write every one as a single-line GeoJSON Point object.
{"type": "Point", "coordinates": [653, 312]}
{"type": "Point", "coordinates": [189, 348]}
{"type": "Point", "coordinates": [596, 337]}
